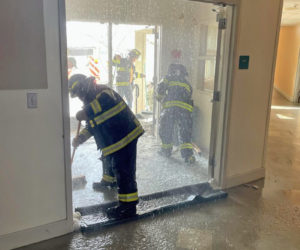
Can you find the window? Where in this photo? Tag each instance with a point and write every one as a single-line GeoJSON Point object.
{"type": "Point", "coordinates": [206, 57]}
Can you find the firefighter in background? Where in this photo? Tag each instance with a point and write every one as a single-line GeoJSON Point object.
{"type": "Point", "coordinates": [116, 131]}
{"type": "Point", "coordinates": [175, 92]}
{"type": "Point", "coordinates": [126, 74]}
{"type": "Point", "coordinates": [72, 66]}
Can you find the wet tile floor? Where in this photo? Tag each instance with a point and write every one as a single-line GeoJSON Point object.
{"type": "Point", "coordinates": [155, 173]}
{"type": "Point", "coordinates": [264, 217]}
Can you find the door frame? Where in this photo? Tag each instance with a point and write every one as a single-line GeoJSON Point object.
{"type": "Point", "coordinates": [217, 168]}
{"type": "Point", "coordinates": [222, 136]}
{"type": "Point", "coordinates": [65, 103]}
{"type": "Point", "coordinates": [297, 81]}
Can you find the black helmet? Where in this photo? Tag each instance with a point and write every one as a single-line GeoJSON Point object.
{"type": "Point", "coordinates": [77, 84]}
{"type": "Point", "coordinates": [134, 53]}
{"type": "Point", "coordinates": [177, 70]}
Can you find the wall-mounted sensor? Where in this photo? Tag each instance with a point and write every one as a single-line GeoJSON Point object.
{"type": "Point", "coordinates": [32, 100]}
{"type": "Point", "coordinates": [244, 62]}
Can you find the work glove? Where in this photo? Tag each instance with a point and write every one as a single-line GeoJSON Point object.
{"type": "Point", "coordinates": [81, 115]}
{"type": "Point", "coordinates": [76, 142]}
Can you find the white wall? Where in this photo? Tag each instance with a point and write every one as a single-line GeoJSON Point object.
{"type": "Point", "coordinates": [257, 27]}
{"type": "Point", "coordinates": [32, 180]}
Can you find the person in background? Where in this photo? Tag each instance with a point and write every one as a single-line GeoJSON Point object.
{"type": "Point", "coordinates": [116, 131]}
{"type": "Point", "coordinates": [175, 94]}
{"type": "Point", "coordinates": [126, 74]}
{"type": "Point", "coordinates": [72, 66]}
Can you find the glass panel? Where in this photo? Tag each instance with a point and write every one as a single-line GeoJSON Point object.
{"type": "Point", "coordinates": [174, 150]}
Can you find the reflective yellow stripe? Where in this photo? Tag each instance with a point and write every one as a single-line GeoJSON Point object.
{"type": "Point", "coordinates": [110, 113]}
{"type": "Point", "coordinates": [85, 133]}
{"type": "Point", "coordinates": [92, 123]}
{"type": "Point", "coordinates": [108, 178]}
{"type": "Point", "coordinates": [166, 146]}
{"type": "Point", "coordinates": [122, 143]}
{"type": "Point", "coordinates": [137, 123]}
{"type": "Point", "coordinates": [116, 61]}
{"type": "Point", "coordinates": [180, 84]}
{"type": "Point", "coordinates": [122, 69]}
{"type": "Point", "coordinates": [122, 83]}
{"type": "Point", "coordinates": [96, 106]}
{"type": "Point", "coordinates": [108, 92]}
{"type": "Point", "coordinates": [186, 145]}
{"type": "Point", "coordinates": [179, 104]}
{"type": "Point", "coordinates": [128, 197]}
{"type": "Point", "coordinates": [74, 84]}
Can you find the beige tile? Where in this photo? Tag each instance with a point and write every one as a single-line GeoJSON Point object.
{"type": "Point", "coordinates": [189, 238]}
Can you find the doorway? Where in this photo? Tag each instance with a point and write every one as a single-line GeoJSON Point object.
{"type": "Point", "coordinates": [202, 46]}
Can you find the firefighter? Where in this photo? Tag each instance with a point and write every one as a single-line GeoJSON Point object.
{"type": "Point", "coordinates": [126, 74]}
{"type": "Point", "coordinates": [116, 131]}
{"type": "Point", "coordinates": [175, 92]}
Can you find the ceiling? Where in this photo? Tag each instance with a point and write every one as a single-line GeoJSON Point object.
{"type": "Point", "coordinates": [291, 12]}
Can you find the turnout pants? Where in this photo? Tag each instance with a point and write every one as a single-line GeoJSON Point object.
{"type": "Point", "coordinates": [171, 117]}
{"type": "Point", "coordinates": [126, 91]}
{"type": "Point", "coordinates": [121, 166]}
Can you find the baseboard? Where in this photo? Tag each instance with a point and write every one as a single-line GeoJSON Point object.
{"type": "Point", "coordinates": [289, 98]}
{"type": "Point", "coordinates": [246, 177]}
{"type": "Point", "coordinates": [33, 235]}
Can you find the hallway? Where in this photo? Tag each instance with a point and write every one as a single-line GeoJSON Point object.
{"type": "Point", "coordinates": [283, 158]}
{"type": "Point", "coordinates": [262, 215]}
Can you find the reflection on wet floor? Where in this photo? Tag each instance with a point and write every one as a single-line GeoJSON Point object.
{"type": "Point", "coordinates": [155, 173]}
{"type": "Point", "coordinates": [189, 238]}
{"type": "Point", "coordinates": [264, 218]}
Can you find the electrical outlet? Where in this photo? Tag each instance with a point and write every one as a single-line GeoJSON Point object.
{"type": "Point", "coordinates": [32, 100]}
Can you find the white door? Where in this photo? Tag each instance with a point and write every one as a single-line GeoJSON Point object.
{"type": "Point", "coordinates": [35, 179]}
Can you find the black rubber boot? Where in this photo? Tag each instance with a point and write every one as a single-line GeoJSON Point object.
{"type": "Point", "coordinates": [122, 211]}
{"type": "Point", "coordinates": [190, 160]}
{"type": "Point", "coordinates": [104, 185]}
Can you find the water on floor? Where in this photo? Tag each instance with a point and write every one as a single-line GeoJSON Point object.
{"type": "Point", "coordinates": [154, 173]}
{"type": "Point", "coordinates": [262, 215]}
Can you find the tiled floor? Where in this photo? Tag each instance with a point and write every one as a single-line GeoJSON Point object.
{"type": "Point", "coordinates": [155, 173]}
{"type": "Point", "coordinates": [250, 218]}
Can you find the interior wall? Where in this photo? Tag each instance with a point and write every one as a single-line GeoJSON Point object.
{"type": "Point", "coordinates": [256, 32]}
{"type": "Point", "coordinates": [287, 60]}
{"type": "Point", "coordinates": [32, 179]}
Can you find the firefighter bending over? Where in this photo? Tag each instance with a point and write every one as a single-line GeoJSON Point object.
{"type": "Point", "coordinates": [126, 74]}
{"type": "Point", "coordinates": [175, 92]}
{"type": "Point", "coordinates": [116, 131]}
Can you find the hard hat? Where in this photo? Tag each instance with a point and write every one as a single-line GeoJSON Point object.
{"type": "Point", "coordinates": [134, 53]}
{"type": "Point", "coordinates": [76, 84]}
{"type": "Point", "coordinates": [176, 69]}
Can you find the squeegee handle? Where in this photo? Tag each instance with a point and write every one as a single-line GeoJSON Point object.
{"type": "Point", "coordinates": [74, 149]}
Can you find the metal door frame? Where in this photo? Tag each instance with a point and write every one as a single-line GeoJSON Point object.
{"type": "Point", "coordinates": [224, 70]}
{"type": "Point", "coordinates": [219, 119]}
